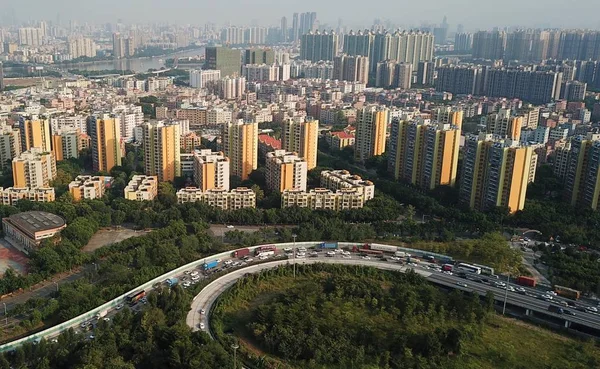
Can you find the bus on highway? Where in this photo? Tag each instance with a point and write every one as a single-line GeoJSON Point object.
{"type": "Point", "coordinates": [468, 268]}
{"type": "Point", "coordinates": [567, 292]}
{"type": "Point", "coordinates": [135, 297]}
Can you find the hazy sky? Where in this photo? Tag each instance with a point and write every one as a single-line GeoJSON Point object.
{"type": "Point", "coordinates": [482, 14]}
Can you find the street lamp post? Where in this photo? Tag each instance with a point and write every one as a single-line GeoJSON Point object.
{"type": "Point", "coordinates": [506, 293]}
{"type": "Point", "coordinates": [5, 316]}
{"type": "Point", "coordinates": [235, 346]}
{"type": "Point", "coordinates": [294, 252]}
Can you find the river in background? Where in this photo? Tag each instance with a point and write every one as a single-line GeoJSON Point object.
{"type": "Point", "coordinates": [137, 65]}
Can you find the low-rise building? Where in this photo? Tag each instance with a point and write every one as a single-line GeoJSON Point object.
{"type": "Point", "coordinates": [238, 198]}
{"type": "Point", "coordinates": [324, 199]}
{"type": "Point", "coordinates": [142, 188]}
{"type": "Point", "coordinates": [28, 229]}
{"type": "Point", "coordinates": [342, 179]}
{"type": "Point", "coordinates": [11, 195]}
{"type": "Point", "coordinates": [339, 140]}
{"type": "Point", "coordinates": [89, 187]}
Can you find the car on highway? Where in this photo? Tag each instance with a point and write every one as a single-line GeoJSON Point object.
{"type": "Point", "coordinates": [287, 249]}
{"type": "Point", "coordinates": [313, 254]}
{"type": "Point", "coordinates": [119, 307]}
{"type": "Point", "coordinates": [569, 312]}
{"type": "Point", "coordinates": [447, 272]}
{"type": "Point", "coordinates": [462, 284]}
{"type": "Point", "coordinates": [591, 309]}
{"type": "Point", "coordinates": [202, 326]}
{"type": "Point", "coordinates": [520, 289]}
{"type": "Point", "coordinates": [366, 257]}
{"type": "Point", "coordinates": [202, 311]}
{"type": "Point", "coordinates": [330, 253]}
{"type": "Point", "coordinates": [347, 253]}
{"type": "Point", "coordinates": [395, 258]}
{"type": "Point", "coordinates": [346, 256]}
{"type": "Point", "coordinates": [302, 249]}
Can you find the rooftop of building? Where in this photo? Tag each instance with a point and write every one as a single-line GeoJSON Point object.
{"type": "Point", "coordinates": [36, 221]}
{"type": "Point", "coordinates": [270, 141]}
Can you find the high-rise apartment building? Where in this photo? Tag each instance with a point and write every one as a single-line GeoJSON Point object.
{"type": "Point", "coordinates": [211, 170]}
{"type": "Point", "coordinates": [123, 47]}
{"type": "Point", "coordinates": [448, 115]}
{"type": "Point", "coordinates": [231, 88]}
{"type": "Point", "coordinates": [424, 153]}
{"type": "Point", "coordinates": [574, 90]}
{"type": "Point", "coordinates": [537, 87]}
{"type": "Point", "coordinates": [105, 137]}
{"type": "Point", "coordinates": [204, 78]}
{"type": "Point", "coordinates": [463, 42]}
{"type": "Point", "coordinates": [66, 144]}
{"type": "Point", "coordinates": [285, 171]}
{"type": "Point", "coordinates": [503, 124]}
{"type": "Point", "coordinates": [284, 30]}
{"type": "Point", "coordinates": [425, 73]}
{"type": "Point", "coordinates": [35, 132]}
{"type": "Point", "coordinates": [30, 36]}
{"type": "Point", "coordinates": [228, 61]}
{"type": "Point", "coordinates": [301, 136]}
{"type": "Point", "coordinates": [489, 45]}
{"type": "Point", "coordinates": [359, 43]}
{"type": "Point", "coordinates": [130, 116]}
{"type": "Point", "coordinates": [582, 171]}
{"type": "Point", "coordinates": [259, 56]}
{"type": "Point", "coordinates": [10, 145]}
{"type": "Point", "coordinates": [351, 68]}
{"type": "Point", "coordinates": [1, 77]}
{"type": "Point", "coordinates": [371, 131]}
{"type": "Point", "coordinates": [240, 145]}
{"type": "Point", "coordinates": [34, 168]}
{"type": "Point", "coordinates": [80, 46]}
{"type": "Point", "coordinates": [460, 79]}
{"type": "Point", "coordinates": [162, 150]}
{"type": "Point", "coordinates": [403, 47]}
{"type": "Point", "coordinates": [319, 46]}
{"type": "Point", "coordinates": [495, 173]}
{"type": "Point", "coordinates": [403, 76]}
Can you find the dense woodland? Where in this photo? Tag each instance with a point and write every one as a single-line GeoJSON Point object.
{"type": "Point", "coordinates": [333, 316]}
{"type": "Point", "coordinates": [155, 338]}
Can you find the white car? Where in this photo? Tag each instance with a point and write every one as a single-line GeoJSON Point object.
{"type": "Point", "coordinates": [202, 326]}
{"type": "Point", "coordinates": [249, 260]}
{"type": "Point", "coordinates": [346, 253]}
{"type": "Point", "coordinates": [302, 249]}
{"type": "Point", "coordinates": [202, 311]}
{"type": "Point", "coordinates": [230, 227]}
{"type": "Point", "coordinates": [194, 273]}
{"type": "Point", "coordinates": [195, 278]}
{"type": "Point", "coordinates": [300, 256]}
{"type": "Point", "coordinates": [107, 319]}
{"type": "Point", "coordinates": [330, 253]}
{"type": "Point", "coordinates": [447, 272]}
{"type": "Point", "coordinates": [119, 307]}
{"type": "Point", "coordinates": [227, 262]}
{"type": "Point", "coordinates": [287, 249]}
{"type": "Point", "coordinates": [366, 257]}
{"type": "Point", "coordinates": [394, 258]}
{"type": "Point", "coordinates": [347, 256]}
{"type": "Point", "coordinates": [338, 251]}
{"type": "Point", "coordinates": [461, 284]}
{"type": "Point", "coordinates": [187, 284]}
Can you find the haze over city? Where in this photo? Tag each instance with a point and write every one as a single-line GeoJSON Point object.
{"type": "Point", "coordinates": [471, 13]}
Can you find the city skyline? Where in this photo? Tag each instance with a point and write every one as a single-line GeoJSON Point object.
{"type": "Point", "coordinates": [473, 15]}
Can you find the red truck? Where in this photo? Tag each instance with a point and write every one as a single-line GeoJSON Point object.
{"type": "Point", "coordinates": [526, 281]}
{"type": "Point", "coordinates": [241, 253]}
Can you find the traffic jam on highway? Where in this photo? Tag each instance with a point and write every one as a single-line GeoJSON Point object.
{"type": "Point", "coordinates": [561, 300]}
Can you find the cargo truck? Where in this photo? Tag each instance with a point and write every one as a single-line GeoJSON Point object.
{"type": "Point", "coordinates": [526, 281]}
{"type": "Point", "coordinates": [328, 245]}
{"type": "Point", "coordinates": [567, 292]}
{"type": "Point", "coordinates": [385, 248]}
{"type": "Point", "coordinates": [240, 253]}
{"type": "Point", "coordinates": [211, 264]}
{"type": "Point", "coordinates": [261, 249]}
{"type": "Point", "coordinates": [401, 254]}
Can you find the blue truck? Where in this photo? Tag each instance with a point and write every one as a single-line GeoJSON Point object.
{"type": "Point", "coordinates": [211, 264]}
{"type": "Point", "coordinates": [328, 245]}
{"type": "Point", "coordinates": [171, 282]}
